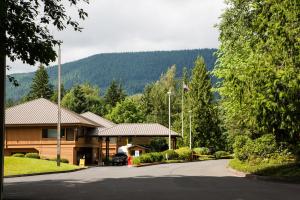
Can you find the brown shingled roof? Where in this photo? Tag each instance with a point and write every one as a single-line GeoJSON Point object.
{"type": "Point", "coordinates": [140, 129]}
{"type": "Point", "coordinates": [42, 111]}
{"type": "Point", "coordinates": [99, 120]}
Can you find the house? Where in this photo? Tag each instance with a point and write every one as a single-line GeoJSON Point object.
{"type": "Point", "coordinates": [32, 127]}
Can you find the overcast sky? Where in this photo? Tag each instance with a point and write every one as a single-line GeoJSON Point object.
{"type": "Point", "coordinates": [140, 25]}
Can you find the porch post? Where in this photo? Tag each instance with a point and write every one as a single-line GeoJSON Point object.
{"type": "Point", "coordinates": [100, 151]}
{"type": "Point", "coordinates": [107, 149]}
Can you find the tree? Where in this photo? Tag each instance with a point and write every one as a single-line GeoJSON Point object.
{"type": "Point", "coordinates": [114, 94]}
{"type": "Point", "coordinates": [54, 96]}
{"type": "Point", "coordinates": [127, 111]}
{"type": "Point", "coordinates": [40, 86]}
{"type": "Point", "coordinates": [205, 131]}
{"type": "Point", "coordinates": [83, 98]}
{"type": "Point", "coordinates": [24, 35]}
{"type": "Point", "coordinates": [155, 98]}
{"type": "Point", "coordinates": [259, 65]}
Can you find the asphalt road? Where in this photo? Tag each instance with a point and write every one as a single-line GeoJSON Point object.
{"type": "Point", "coordinates": [197, 180]}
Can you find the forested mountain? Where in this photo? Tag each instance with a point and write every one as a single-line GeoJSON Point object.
{"type": "Point", "coordinates": [134, 69]}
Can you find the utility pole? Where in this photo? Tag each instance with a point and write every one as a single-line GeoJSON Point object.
{"type": "Point", "coordinates": [59, 110]}
{"type": "Point", "coordinates": [190, 114]}
{"type": "Point", "coordinates": [3, 18]}
{"type": "Point", "coordinates": [169, 93]}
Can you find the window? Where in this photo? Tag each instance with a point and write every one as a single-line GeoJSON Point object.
{"type": "Point", "coordinates": [52, 133]}
{"type": "Point", "coordinates": [70, 134]}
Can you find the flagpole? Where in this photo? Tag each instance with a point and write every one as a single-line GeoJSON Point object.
{"type": "Point", "coordinates": [169, 93]}
{"type": "Point", "coordinates": [59, 109]}
{"type": "Point", "coordinates": [190, 113]}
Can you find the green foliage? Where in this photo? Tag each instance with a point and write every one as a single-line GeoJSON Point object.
{"type": "Point", "coordinates": [184, 153]}
{"type": "Point", "coordinates": [135, 70]}
{"type": "Point", "coordinates": [40, 86]}
{"type": "Point", "coordinates": [18, 155]}
{"type": "Point", "coordinates": [170, 154]}
{"type": "Point", "coordinates": [114, 94]}
{"type": "Point", "coordinates": [259, 150]}
{"type": "Point", "coordinates": [202, 151]}
{"type": "Point", "coordinates": [136, 160]}
{"type": "Point", "coordinates": [158, 144]}
{"type": "Point", "coordinates": [127, 111]}
{"type": "Point", "coordinates": [206, 131]}
{"type": "Point", "coordinates": [222, 154]}
{"type": "Point", "coordinates": [83, 98]}
{"type": "Point", "coordinates": [258, 63]}
{"type": "Point", "coordinates": [151, 157]}
{"type": "Point", "coordinates": [63, 160]}
{"type": "Point", "coordinates": [32, 155]}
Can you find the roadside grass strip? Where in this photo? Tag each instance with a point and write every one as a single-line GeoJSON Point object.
{"type": "Point", "coordinates": [22, 166]}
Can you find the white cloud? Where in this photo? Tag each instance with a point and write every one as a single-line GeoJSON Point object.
{"type": "Point", "coordinates": [140, 25]}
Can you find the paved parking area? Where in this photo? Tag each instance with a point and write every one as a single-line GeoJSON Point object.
{"type": "Point", "coordinates": [197, 180]}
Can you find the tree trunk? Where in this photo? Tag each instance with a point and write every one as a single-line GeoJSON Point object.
{"type": "Point", "coordinates": [3, 10]}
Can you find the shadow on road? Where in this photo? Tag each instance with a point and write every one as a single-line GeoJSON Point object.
{"type": "Point", "coordinates": [153, 188]}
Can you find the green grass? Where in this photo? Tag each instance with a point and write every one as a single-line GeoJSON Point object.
{"type": "Point", "coordinates": [19, 166]}
{"type": "Point", "coordinates": [267, 169]}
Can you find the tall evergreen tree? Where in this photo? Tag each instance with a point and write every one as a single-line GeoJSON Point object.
{"type": "Point", "coordinates": [40, 86]}
{"type": "Point", "coordinates": [205, 131]}
{"type": "Point", "coordinates": [83, 98]}
{"type": "Point", "coordinates": [114, 94]}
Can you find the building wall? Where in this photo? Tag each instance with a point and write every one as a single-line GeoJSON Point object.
{"type": "Point", "coordinates": [29, 139]}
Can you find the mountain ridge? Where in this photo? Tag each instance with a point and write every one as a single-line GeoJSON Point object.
{"type": "Point", "coordinates": [133, 69]}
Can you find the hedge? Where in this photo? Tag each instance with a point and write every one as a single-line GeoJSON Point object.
{"type": "Point", "coordinates": [18, 155]}
{"type": "Point", "coordinates": [32, 155]}
{"type": "Point", "coordinates": [170, 154]}
{"type": "Point", "coordinates": [184, 153]}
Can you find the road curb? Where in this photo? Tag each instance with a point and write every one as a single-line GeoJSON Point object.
{"type": "Point", "coordinates": [45, 173]}
{"type": "Point", "coordinates": [295, 180]}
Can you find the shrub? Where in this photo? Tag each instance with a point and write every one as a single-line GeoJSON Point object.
{"type": "Point", "coordinates": [171, 154]}
{"type": "Point", "coordinates": [32, 155]}
{"type": "Point", "coordinates": [201, 151]}
{"type": "Point", "coordinates": [241, 147]}
{"type": "Point", "coordinates": [136, 160]}
{"type": "Point", "coordinates": [18, 155]}
{"type": "Point", "coordinates": [64, 160]}
{"type": "Point", "coordinates": [184, 153]}
{"type": "Point", "coordinates": [221, 154]}
{"type": "Point", "coordinates": [146, 158]}
{"type": "Point", "coordinates": [156, 157]}
{"type": "Point", "coordinates": [264, 146]}
{"type": "Point", "coordinates": [158, 144]}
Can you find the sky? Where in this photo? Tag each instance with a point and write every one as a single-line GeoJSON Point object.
{"type": "Point", "coordinates": [138, 25]}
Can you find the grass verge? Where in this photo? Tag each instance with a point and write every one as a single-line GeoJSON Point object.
{"type": "Point", "coordinates": [20, 166]}
{"type": "Point", "coordinates": [267, 169]}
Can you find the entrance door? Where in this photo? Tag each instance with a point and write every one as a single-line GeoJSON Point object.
{"type": "Point", "coordinates": [87, 153]}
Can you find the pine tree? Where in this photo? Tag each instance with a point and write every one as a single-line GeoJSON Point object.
{"type": "Point", "coordinates": [204, 130]}
{"type": "Point", "coordinates": [40, 86]}
{"type": "Point", "coordinates": [114, 94]}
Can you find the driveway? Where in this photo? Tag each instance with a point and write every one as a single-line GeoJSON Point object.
{"type": "Point", "coordinates": [197, 180]}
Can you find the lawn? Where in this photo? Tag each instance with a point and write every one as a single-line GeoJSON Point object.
{"type": "Point", "coordinates": [267, 169]}
{"type": "Point", "coordinates": [18, 166]}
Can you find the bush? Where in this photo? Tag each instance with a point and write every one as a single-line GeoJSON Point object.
{"type": "Point", "coordinates": [222, 154]}
{"type": "Point", "coordinates": [151, 157]}
{"type": "Point", "coordinates": [241, 147]}
{"type": "Point", "coordinates": [18, 155]}
{"type": "Point", "coordinates": [32, 155]}
{"type": "Point", "coordinates": [146, 158]}
{"type": "Point", "coordinates": [158, 144]}
{"type": "Point", "coordinates": [63, 160]}
{"type": "Point", "coordinates": [136, 160]}
{"type": "Point", "coordinates": [264, 146]}
{"type": "Point", "coordinates": [201, 151]}
{"type": "Point", "coordinates": [184, 153]}
{"type": "Point", "coordinates": [171, 154]}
